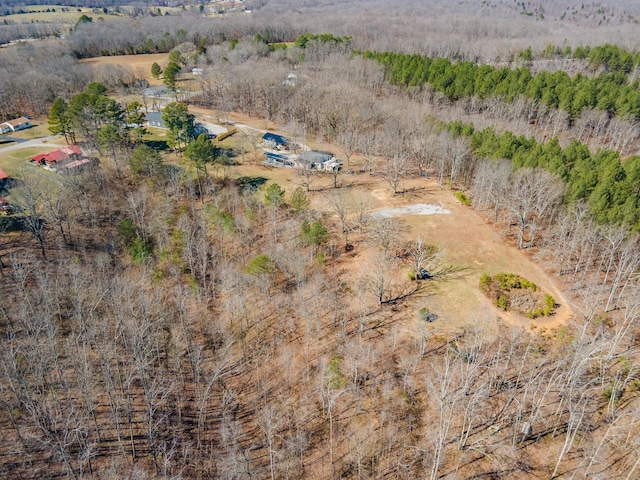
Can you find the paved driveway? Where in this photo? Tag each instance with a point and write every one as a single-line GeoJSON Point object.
{"type": "Point", "coordinates": [7, 139]}
{"type": "Point", "coordinates": [53, 141]}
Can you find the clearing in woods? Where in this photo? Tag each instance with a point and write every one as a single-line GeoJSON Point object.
{"type": "Point", "coordinates": [472, 245]}
{"type": "Point", "coordinates": [140, 64]}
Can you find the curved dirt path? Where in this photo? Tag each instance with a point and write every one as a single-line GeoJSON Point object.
{"type": "Point", "coordinates": [475, 247]}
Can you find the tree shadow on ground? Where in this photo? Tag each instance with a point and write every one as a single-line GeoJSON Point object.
{"type": "Point", "coordinates": [447, 273]}
{"type": "Point", "coordinates": [413, 192]}
{"type": "Point", "coordinates": [250, 183]}
{"type": "Point", "coordinates": [401, 292]}
{"type": "Point", "coordinates": [160, 145]}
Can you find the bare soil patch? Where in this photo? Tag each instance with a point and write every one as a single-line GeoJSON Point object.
{"type": "Point", "coordinates": [415, 209]}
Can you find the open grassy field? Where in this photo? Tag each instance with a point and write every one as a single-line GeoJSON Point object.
{"type": "Point", "coordinates": [14, 161]}
{"type": "Point", "coordinates": [38, 13]}
{"type": "Point", "coordinates": [37, 131]}
{"type": "Point", "coordinates": [141, 64]}
{"type": "Point", "coordinates": [71, 14]}
{"type": "Point", "coordinates": [472, 247]}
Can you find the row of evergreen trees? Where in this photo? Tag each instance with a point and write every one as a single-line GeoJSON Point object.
{"type": "Point", "coordinates": [610, 57]}
{"type": "Point", "coordinates": [609, 186]}
{"type": "Point", "coordinates": [609, 91]}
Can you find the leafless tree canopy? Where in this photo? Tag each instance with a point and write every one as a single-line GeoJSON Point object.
{"type": "Point", "coordinates": [166, 329]}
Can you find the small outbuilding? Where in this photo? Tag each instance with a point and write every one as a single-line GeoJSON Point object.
{"type": "Point", "coordinates": [154, 119]}
{"type": "Point", "coordinates": [273, 140]}
{"type": "Point", "coordinates": [76, 165]}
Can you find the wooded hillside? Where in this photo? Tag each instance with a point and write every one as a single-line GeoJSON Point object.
{"type": "Point", "coordinates": [459, 300]}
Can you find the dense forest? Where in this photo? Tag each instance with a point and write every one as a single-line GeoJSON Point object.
{"type": "Point", "coordinates": [180, 311]}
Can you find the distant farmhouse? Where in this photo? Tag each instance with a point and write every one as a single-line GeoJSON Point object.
{"type": "Point", "coordinates": [157, 91]}
{"type": "Point", "coordinates": [315, 159]}
{"type": "Point", "coordinates": [154, 119]}
{"type": "Point", "coordinates": [65, 159]}
{"type": "Point", "coordinates": [15, 125]}
{"type": "Point", "coordinates": [274, 141]}
{"type": "Point", "coordinates": [159, 95]}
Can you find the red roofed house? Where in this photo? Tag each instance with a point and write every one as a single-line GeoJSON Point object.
{"type": "Point", "coordinates": [4, 179]}
{"type": "Point", "coordinates": [57, 158]}
{"type": "Point", "coordinates": [75, 164]}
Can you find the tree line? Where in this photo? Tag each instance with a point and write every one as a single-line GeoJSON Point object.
{"type": "Point", "coordinates": [610, 57]}
{"type": "Point", "coordinates": [608, 91]}
{"type": "Point", "coordinates": [609, 185]}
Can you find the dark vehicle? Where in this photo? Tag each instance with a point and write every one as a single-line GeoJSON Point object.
{"type": "Point", "coordinates": [423, 274]}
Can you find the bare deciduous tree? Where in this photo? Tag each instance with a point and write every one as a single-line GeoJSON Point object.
{"type": "Point", "coordinates": [534, 195]}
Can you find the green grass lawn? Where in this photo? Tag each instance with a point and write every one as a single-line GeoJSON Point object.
{"type": "Point", "coordinates": [156, 138]}
{"type": "Point", "coordinates": [37, 131]}
{"type": "Point", "coordinates": [38, 14]}
{"type": "Point", "coordinates": [155, 134]}
{"type": "Point", "coordinates": [14, 161]}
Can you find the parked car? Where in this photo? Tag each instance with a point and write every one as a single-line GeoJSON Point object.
{"type": "Point", "coordinates": [423, 274]}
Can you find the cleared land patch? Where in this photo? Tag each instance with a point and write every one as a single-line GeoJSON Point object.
{"type": "Point", "coordinates": [39, 13]}
{"type": "Point", "coordinates": [141, 64]}
{"type": "Point", "coordinates": [417, 209]}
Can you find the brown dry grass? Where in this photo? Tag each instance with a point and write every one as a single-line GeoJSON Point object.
{"type": "Point", "coordinates": [38, 13]}
{"type": "Point", "coordinates": [140, 64]}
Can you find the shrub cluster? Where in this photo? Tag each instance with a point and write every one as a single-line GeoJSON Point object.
{"type": "Point", "coordinates": [513, 292]}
